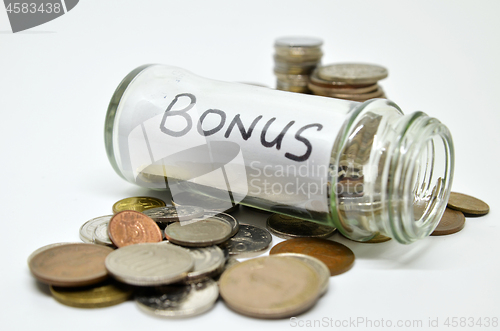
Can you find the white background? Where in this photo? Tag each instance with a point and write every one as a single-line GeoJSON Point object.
{"type": "Point", "coordinates": [56, 81]}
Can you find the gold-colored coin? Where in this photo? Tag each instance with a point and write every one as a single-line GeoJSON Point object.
{"type": "Point", "coordinates": [467, 204]}
{"type": "Point", "coordinates": [138, 204]}
{"type": "Point", "coordinates": [101, 295]}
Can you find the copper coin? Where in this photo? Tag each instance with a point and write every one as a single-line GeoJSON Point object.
{"type": "Point", "coordinates": [131, 227]}
{"type": "Point", "coordinates": [70, 264]}
{"type": "Point", "coordinates": [467, 204]}
{"type": "Point", "coordinates": [379, 238]}
{"type": "Point", "coordinates": [451, 222]}
{"type": "Point", "coordinates": [337, 257]}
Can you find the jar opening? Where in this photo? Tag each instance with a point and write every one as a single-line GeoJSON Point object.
{"type": "Point", "coordinates": [421, 169]}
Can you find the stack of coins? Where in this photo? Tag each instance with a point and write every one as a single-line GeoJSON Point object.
{"type": "Point", "coordinates": [295, 59]}
{"type": "Point", "coordinates": [349, 81]}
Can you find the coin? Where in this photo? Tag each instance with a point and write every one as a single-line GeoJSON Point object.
{"type": "Point", "coordinates": [132, 227]}
{"type": "Point", "coordinates": [353, 73]}
{"type": "Point", "coordinates": [137, 203]}
{"type": "Point", "coordinates": [172, 214]}
{"type": "Point", "coordinates": [337, 257]}
{"type": "Point", "coordinates": [235, 225]}
{"type": "Point", "coordinates": [44, 248]}
{"type": "Point", "coordinates": [379, 238]}
{"type": "Point", "coordinates": [88, 228]}
{"type": "Point", "coordinates": [101, 236]}
{"type": "Point", "coordinates": [105, 294]}
{"type": "Point", "coordinates": [208, 261]}
{"type": "Point", "coordinates": [201, 233]}
{"type": "Point", "coordinates": [320, 267]}
{"type": "Point", "coordinates": [178, 300]}
{"type": "Point", "coordinates": [298, 47]}
{"type": "Point", "coordinates": [358, 97]}
{"type": "Point", "coordinates": [270, 287]}
{"type": "Point", "coordinates": [70, 265]}
{"type": "Point", "coordinates": [298, 41]}
{"type": "Point", "coordinates": [229, 263]}
{"type": "Point", "coordinates": [452, 221]}
{"type": "Point", "coordinates": [287, 227]}
{"type": "Point", "coordinates": [249, 239]}
{"type": "Point", "coordinates": [467, 204]}
{"type": "Point", "coordinates": [203, 201]}
{"type": "Point", "coordinates": [149, 264]}
{"type": "Point", "coordinates": [329, 91]}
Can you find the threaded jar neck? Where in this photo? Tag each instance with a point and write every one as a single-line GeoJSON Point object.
{"type": "Point", "coordinates": [420, 175]}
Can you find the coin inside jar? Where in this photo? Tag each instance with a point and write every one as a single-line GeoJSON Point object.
{"type": "Point", "coordinates": [202, 233]}
{"type": "Point", "coordinates": [468, 204]}
{"type": "Point", "coordinates": [70, 264]}
{"type": "Point", "coordinates": [131, 227]}
{"type": "Point", "coordinates": [287, 227]}
{"type": "Point", "coordinates": [452, 221]}
{"type": "Point", "coordinates": [270, 287]}
{"type": "Point", "coordinates": [337, 257]}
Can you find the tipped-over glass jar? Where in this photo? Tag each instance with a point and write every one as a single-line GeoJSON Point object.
{"type": "Point", "coordinates": [364, 168]}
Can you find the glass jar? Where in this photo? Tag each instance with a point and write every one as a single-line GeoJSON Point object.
{"type": "Point", "coordinates": [364, 168]}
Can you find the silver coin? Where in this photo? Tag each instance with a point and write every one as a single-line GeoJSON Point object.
{"type": "Point", "coordinates": [173, 214]}
{"type": "Point", "coordinates": [179, 300]}
{"type": "Point", "coordinates": [317, 265]}
{"type": "Point", "coordinates": [199, 232]}
{"type": "Point", "coordinates": [235, 225]}
{"type": "Point", "coordinates": [101, 236]}
{"type": "Point", "coordinates": [353, 73]}
{"type": "Point", "coordinates": [249, 239]}
{"type": "Point", "coordinates": [88, 228]}
{"type": "Point", "coordinates": [293, 41]}
{"type": "Point", "coordinates": [149, 264]}
{"type": "Point", "coordinates": [208, 261]}
{"type": "Point", "coordinates": [287, 227]}
{"type": "Point", "coordinates": [44, 248]}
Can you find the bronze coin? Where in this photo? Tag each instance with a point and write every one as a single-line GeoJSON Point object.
{"type": "Point", "coordinates": [337, 257]}
{"type": "Point", "coordinates": [379, 238]}
{"type": "Point", "coordinates": [70, 264]}
{"type": "Point", "coordinates": [131, 227]}
{"type": "Point", "coordinates": [451, 222]}
{"type": "Point", "coordinates": [467, 204]}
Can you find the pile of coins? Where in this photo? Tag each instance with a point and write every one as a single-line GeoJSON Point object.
{"type": "Point", "coordinates": [459, 206]}
{"type": "Point", "coordinates": [350, 81]}
{"type": "Point", "coordinates": [174, 261]}
{"type": "Point", "coordinates": [295, 59]}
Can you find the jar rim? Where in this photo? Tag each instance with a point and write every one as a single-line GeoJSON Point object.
{"type": "Point", "coordinates": [109, 122]}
